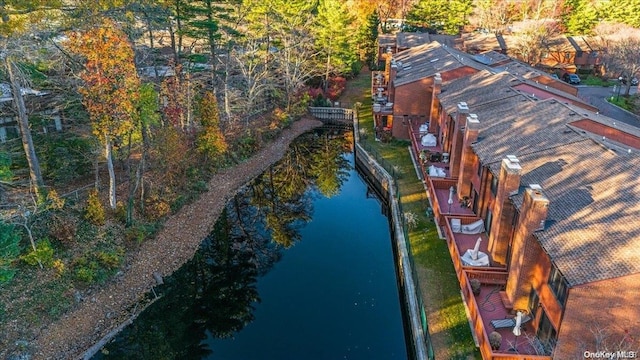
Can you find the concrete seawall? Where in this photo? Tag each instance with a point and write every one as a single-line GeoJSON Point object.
{"type": "Point", "coordinates": [385, 183]}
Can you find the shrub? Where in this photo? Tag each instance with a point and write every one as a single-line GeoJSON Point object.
{"type": "Point", "coordinates": [9, 251]}
{"type": "Point", "coordinates": [280, 119]}
{"type": "Point", "coordinates": [411, 220]}
{"type": "Point", "coordinates": [120, 212]}
{"type": "Point", "coordinates": [86, 272]}
{"type": "Point", "coordinates": [138, 233]}
{"type": "Point", "coordinates": [495, 340]}
{"type": "Point", "coordinates": [320, 101]}
{"type": "Point", "coordinates": [58, 267]}
{"type": "Point", "coordinates": [42, 255]}
{"type": "Point", "coordinates": [5, 166]}
{"type": "Point", "coordinates": [98, 266]}
{"type": "Point", "coordinates": [63, 229]}
{"type": "Point", "coordinates": [246, 146]}
{"type": "Point", "coordinates": [336, 87]}
{"type": "Point", "coordinates": [475, 286]}
{"type": "Point", "coordinates": [94, 212]}
{"type": "Point", "coordinates": [156, 207]}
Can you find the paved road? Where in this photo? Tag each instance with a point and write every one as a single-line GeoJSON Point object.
{"type": "Point", "coordinates": [595, 95]}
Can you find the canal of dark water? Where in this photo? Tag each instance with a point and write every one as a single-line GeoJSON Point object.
{"type": "Point", "coordinates": [300, 265]}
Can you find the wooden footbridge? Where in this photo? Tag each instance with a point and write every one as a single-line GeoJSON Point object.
{"type": "Point", "coordinates": [334, 116]}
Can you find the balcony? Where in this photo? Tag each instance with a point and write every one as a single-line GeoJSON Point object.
{"type": "Point", "coordinates": [460, 242]}
{"type": "Point", "coordinates": [488, 306]}
{"type": "Point", "coordinates": [379, 86]}
{"type": "Point", "coordinates": [439, 190]}
{"type": "Point", "coordinates": [428, 154]}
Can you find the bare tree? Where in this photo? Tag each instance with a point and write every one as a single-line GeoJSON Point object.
{"type": "Point", "coordinates": [622, 51]}
{"type": "Point", "coordinates": [535, 38]}
{"type": "Point", "coordinates": [257, 77]}
{"type": "Point", "coordinates": [23, 123]}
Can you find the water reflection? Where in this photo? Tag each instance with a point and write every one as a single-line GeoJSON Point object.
{"type": "Point", "coordinates": [215, 292]}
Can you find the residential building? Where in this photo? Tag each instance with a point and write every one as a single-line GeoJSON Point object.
{"type": "Point", "coordinates": [547, 191]}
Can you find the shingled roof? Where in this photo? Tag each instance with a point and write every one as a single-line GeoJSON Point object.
{"type": "Point", "coordinates": [594, 192]}
{"type": "Point", "coordinates": [425, 60]}
{"type": "Point", "coordinates": [591, 230]}
{"type": "Point", "coordinates": [479, 88]}
{"type": "Point", "coordinates": [405, 40]}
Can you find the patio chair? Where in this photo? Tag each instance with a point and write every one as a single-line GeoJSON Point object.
{"type": "Point", "coordinates": [508, 322]}
{"type": "Point", "coordinates": [456, 225]}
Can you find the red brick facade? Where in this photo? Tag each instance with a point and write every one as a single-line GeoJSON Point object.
{"type": "Point", "coordinates": [533, 213]}
{"type": "Point", "coordinates": [503, 210]}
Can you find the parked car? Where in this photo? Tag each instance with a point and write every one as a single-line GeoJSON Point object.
{"type": "Point", "coordinates": [634, 81]}
{"type": "Point", "coordinates": [571, 78]}
{"type": "Point", "coordinates": [555, 76]}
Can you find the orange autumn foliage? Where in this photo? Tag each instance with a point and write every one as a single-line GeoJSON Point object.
{"type": "Point", "coordinates": [111, 83]}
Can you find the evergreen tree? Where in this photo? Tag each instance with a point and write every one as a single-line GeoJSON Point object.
{"type": "Point", "coordinates": [333, 38]}
{"type": "Point", "coordinates": [579, 17]}
{"type": "Point", "coordinates": [368, 40]}
{"type": "Point", "coordinates": [622, 11]}
{"type": "Point", "coordinates": [446, 16]}
{"type": "Point", "coordinates": [203, 24]}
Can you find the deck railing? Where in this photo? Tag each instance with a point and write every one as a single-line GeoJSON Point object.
{"type": "Point", "coordinates": [481, 332]}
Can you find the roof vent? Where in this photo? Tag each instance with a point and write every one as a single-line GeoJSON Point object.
{"type": "Point", "coordinates": [433, 60]}
{"type": "Point", "coordinates": [535, 186]}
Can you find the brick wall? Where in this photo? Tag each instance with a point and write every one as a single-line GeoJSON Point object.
{"type": "Point", "coordinates": [434, 116]}
{"type": "Point", "coordinates": [532, 213]}
{"type": "Point", "coordinates": [503, 210]}
{"type": "Point", "coordinates": [468, 159]}
{"type": "Point", "coordinates": [456, 137]}
{"type": "Point", "coordinates": [413, 99]}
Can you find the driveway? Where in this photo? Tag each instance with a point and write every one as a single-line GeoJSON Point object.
{"type": "Point", "coordinates": [595, 95]}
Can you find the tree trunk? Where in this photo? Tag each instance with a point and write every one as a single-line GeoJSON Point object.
{"type": "Point", "coordinates": [326, 73]}
{"type": "Point", "coordinates": [143, 164]}
{"type": "Point", "coordinates": [27, 140]}
{"type": "Point", "coordinates": [112, 174]}
{"type": "Point", "coordinates": [227, 100]}
{"type": "Point", "coordinates": [133, 185]}
{"type": "Point", "coordinates": [152, 46]}
{"type": "Point", "coordinates": [174, 45]}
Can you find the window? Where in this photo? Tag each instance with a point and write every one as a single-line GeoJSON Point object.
{"type": "Point", "coordinates": [546, 333]}
{"type": "Point", "coordinates": [475, 201]}
{"type": "Point", "coordinates": [494, 185]}
{"type": "Point", "coordinates": [534, 301]}
{"type": "Point", "coordinates": [488, 220]}
{"type": "Point", "coordinates": [558, 285]}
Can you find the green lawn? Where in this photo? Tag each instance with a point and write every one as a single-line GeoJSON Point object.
{"type": "Point", "coordinates": [438, 283]}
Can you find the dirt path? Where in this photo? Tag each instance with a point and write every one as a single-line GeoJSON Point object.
{"type": "Point", "coordinates": [96, 316]}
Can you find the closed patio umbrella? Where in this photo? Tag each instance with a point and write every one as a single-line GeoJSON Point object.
{"type": "Point", "coordinates": [476, 249]}
{"type": "Point", "coordinates": [516, 330]}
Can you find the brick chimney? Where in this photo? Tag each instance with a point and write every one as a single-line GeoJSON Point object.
{"type": "Point", "coordinates": [469, 160]}
{"type": "Point", "coordinates": [533, 215]}
{"type": "Point", "coordinates": [503, 210]}
{"type": "Point", "coordinates": [434, 116]}
{"type": "Point", "coordinates": [456, 139]}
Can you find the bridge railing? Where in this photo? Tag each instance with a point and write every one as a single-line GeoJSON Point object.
{"type": "Point", "coordinates": [332, 114]}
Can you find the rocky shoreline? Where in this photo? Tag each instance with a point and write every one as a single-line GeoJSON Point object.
{"type": "Point", "coordinates": [107, 308]}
